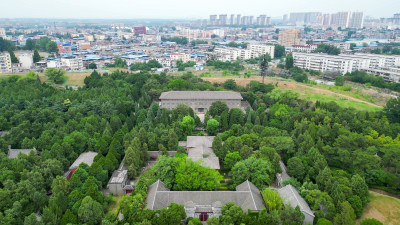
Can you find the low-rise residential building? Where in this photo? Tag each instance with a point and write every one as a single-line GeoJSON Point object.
{"type": "Point", "coordinates": [205, 204]}
{"type": "Point", "coordinates": [199, 101]}
{"type": "Point", "coordinates": [304, 48]}
{"type": "Point", "coordinates": [72, 63]}
{"type": "Point", "coordinates": [180, 56]}
{"type": "Point", "coordinates": [346, 63]}
{"type": "Point", "coordinates": [252, 51]}
{"type": "Point", "coordinates": [5, 62]}
{"type": "Point", "coordinates": [257, 50]}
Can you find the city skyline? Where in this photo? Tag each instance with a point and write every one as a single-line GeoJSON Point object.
{"type": "Point", "coordinates": [180, 9]}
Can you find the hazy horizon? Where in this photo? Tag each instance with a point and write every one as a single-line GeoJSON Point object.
{"type": "Point", "coordinates": [183, 9]}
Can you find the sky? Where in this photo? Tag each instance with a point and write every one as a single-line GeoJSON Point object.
{"type": "Point", "coordinates": [185, 9]}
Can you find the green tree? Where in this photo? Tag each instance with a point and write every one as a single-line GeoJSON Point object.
{"type": "Point", "coordinates": [371, 221]}
{"type": "Point", "coordinates": [55, 75]}
{"type": "Point", "coordinates": [231, 214]}
{"type": "Point", "coordinates": [30, 44]}
{"type": "Point", "coordinates": [290, 215]}
{"type": "Point", "coordinates": [323, 221]}
{"type": "Point", "coordinates": [69, 218]}
{"type": "Point", "coordinates": [257, 171]}
{"type": "Point", "coordinates": [218, 147]}
{"type": "Point", "coordinates": [392, 110]}
{"type": "Point", "coordinates": [92, 66]}
{"type": "Point", "coordinates": [346, 215]}
{"type": "Point", "coordinates": [339, 81]}
{"type": "Point", "coordinates": [217, 108]}
{"type": "Point", "coordinates": [51, 47]}
{"type": "Point", "coordinates": [231, 159]}
{"type": "Point", "coordinates": [188, 124]}
{"type": "Point", "coordinates": [263, 67]}
{"type": "Point", "coordinates": [173, 215]}
{"type": "Point", "coordinates": [289, 62]}
{"type": "Point", "coordinates": [90, 211]}
{"type": "Point", "coordinates": [31, 220]}
{"type": "Point", "coordinates": [272, 199]}
{"type": "Point", "coordinates": [36, 56]}
{"type": "Point", "coordinates": [296, 168]}
{"type": "Point", "coordinates": [360, 188]}
{"type": "Point", "coordinates": [212, 127]}
{"type": "Point", "coordinates": [12, 56]}
{"type": "Point", "coordinates": [279, 51]}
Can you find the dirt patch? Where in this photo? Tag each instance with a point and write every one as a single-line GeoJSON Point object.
{"type": "Point", "coordinates": [383, 208]}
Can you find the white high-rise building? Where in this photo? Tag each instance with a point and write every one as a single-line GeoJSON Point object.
{"type": "Point", "coordinates": [342, 19]}
{"type": "Point", "coordinates": [238, 19]}
{"type": "Point", "coordinates": [232, 19]}
{"type": "Point", "coordinates": [357, 20]}
{"type": "Point", "coordinates": [223, 18]}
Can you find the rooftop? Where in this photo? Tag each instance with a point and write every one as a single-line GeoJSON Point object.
{"type": "Point", "coordinates": [291, 196]}
{"type": "Point", "coordinates": [247, 196]}
{"type": "Point", "coordinates": [13, 153]}
{"type": "Point", "coordinates": [206, 95]}
{"type": "Point", "coordinates": [86, 157]}
{"type": "Point", "coordinates": [199, 149]}
{"type": "Point", "coordinates": [118, 177]}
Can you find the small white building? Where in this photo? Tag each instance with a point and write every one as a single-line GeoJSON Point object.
{"type": "Point", "coordinates": [26, 60]}
{"type": "Point", "coordinates": [72, 63]}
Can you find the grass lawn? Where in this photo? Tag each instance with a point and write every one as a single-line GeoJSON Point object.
{"type": "Point", "coordinates": [383, 208]}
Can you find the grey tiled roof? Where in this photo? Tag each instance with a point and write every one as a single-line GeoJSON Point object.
{"type": "Point", "coordinates": [86, 157]}
{"type": "Point", "coordinates": [13, 153]}
{"type": "Point", "coordinates": [246, 196]}
{"type": "Point", "coordinates": [291, 196]}
{"type": "Point", "coordinates": [210, 95]}
{"type": "Point", "coordinates": [194, 141]}
{"type": "Point", "coordinates": [118, 177]}
{"type": "Point", "coordinates": [199, 149]}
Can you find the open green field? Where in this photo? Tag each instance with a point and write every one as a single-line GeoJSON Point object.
{"type": "Point", "coordinates": [360, 101]}
{"type": "Point", "coordinates": [383, 208]}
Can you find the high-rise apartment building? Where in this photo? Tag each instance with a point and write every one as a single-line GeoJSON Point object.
{"type": "Point", "coordinates": [232, 19]}
{"type": "Point", "coordinates": [261, 20]}
{"type": "Point", "coordinates": [213, 19]}
{"type": "Point", "coordinates": [251, 20]}
{"type": "Point", "coordinates": [289, 37]}
{"type": "Point", "coordinates": [357, 20]}
{"type": "Point", "coordinates": [326, 21]}
{"type": "Point", "coordinates": [342, 19]}
{"type": "Point", "coordinates": [223, 18]}
{"type": "Point", "coordinates": [297, 18]}
{"type": "Point", "coordinates": [238, 19]}
{"type": "Point", "coordinates": [285, 19]}
{"type": "Point", "coordinates": [5, 62]}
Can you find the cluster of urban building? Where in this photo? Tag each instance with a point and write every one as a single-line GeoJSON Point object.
{"type": "Point", "coordinates": [83, 45]}
{"type": "Point", "coordinates": [238, 19]}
